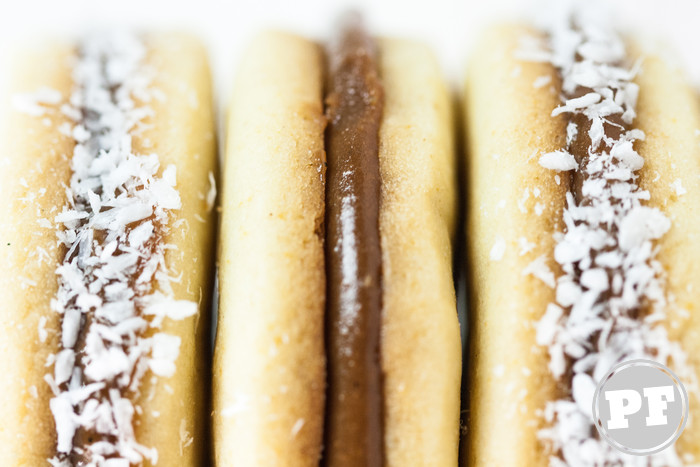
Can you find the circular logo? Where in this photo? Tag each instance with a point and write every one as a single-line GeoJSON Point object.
{"type": "Point", "coordinates": [640, 407]}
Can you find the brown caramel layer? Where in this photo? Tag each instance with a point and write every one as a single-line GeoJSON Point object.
{"type": "Point", "coordinates": [354, 433]}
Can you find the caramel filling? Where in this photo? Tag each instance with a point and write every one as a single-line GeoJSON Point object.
{"type": "Point", "coordinates": [354, 301]}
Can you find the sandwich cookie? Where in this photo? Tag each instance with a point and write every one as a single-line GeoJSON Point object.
{"type": "Point", "coordinates": [585, 223]}
{"type": "Point", "coordinates": [338, 338]}
{"type": "Point", "coordinates": [109, 182]}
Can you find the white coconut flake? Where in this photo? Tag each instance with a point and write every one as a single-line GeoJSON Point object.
{"type": "Point", "coordinates": [37, 103]}
{"type": "Point", "coordinates": [639, 225]}
{"type": "Point", "coordinates": [522, 202]}
{"type": "Point", "coordinates": [677, 186]}
{"type": "Point", "coordinates": [63, 368]}
{"type": "Point", "coordinates": [539, 269]}
{"type": "Point", "coordinates": [63, 414]}
{"type": "Point", "coordinates": [542, 81]}
{"type": "Point", "coordinates": [117, 209]}
{"type": "Point", "coordinates": [159, 306]}
{"type": "Point", "coordinates": [498, 249]}
{"type": "Point", "coordinates": [577, 103]}
{"type": "Point", "coordinates": [165, 351]}
{"type": "Point", "coordinates": [525, 246]}
{"type": "Point", "coordinates": [559, 160]}
{"type": "Point", "coordinates": [298, 425]}
{"type": "Point", "coordinates": [607, 251]}
{"type": "Point", "coordinates": [186, 438]}
{"type": "Point", "coordinates": [43, 333]}
{"type": "Point", "coordinates": [583, 389]}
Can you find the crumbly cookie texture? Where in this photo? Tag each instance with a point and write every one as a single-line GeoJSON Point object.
{"type": "Point", "coordinates": [30, 184]}
{"type": "Point", "coordinates": [668, 112]}
{"type": "Point", "coordinates": [420, 342]}
{"type": "Point", "coordinates": [514, 206]}
{"type": "Point", "coordinates": [269, 362]}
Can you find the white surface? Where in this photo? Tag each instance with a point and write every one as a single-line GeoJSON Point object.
{"type": "Point", "coordinates": [450, 26]}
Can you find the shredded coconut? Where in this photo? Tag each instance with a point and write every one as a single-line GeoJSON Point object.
{"type": "Point", "coordinates": [112, 225]}
{"type": "Point", "coordinates": [498, 249]}
{"type": "Point", "coordinates": [559, 160]}
{"type": "Point", "coordinates": [539, 269]}
{"type": "Point", "coordinates": [298, 425]}
{"type": "Point", "coordinates": [43, 333]}
{"type": "Point", "coordinates": [542, 81]}
{"type": "Point", "coordinates": [38, 103]}
{"type": "Point", "coordinates": [525, 246]}
{"type": "Point", "coordinates": [606, 252]}
{"type": "Point", "coordinates": [677, 186]}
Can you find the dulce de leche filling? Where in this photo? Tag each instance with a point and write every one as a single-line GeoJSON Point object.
{"type": "Point", "coordinates": [353, 254]}
{"type": "Point", "coordinates": [610, 293]}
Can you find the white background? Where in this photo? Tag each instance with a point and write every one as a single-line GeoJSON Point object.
{"type": "Point", "coordinates": [450, 26]}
